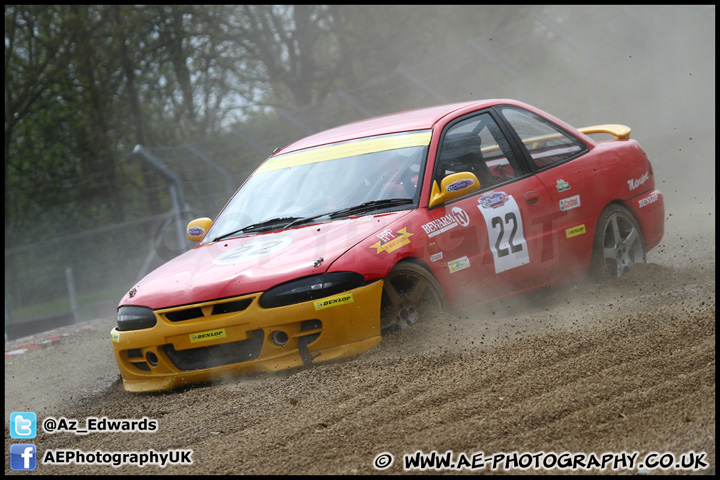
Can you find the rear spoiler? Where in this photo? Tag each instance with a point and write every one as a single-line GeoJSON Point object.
{"type": "Point", "coordinates": [620, 132]}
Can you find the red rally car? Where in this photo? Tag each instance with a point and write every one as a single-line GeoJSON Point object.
{"type": "Point", "coordinates": [366, 227]}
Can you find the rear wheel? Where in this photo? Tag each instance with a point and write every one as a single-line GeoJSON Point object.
{"type": "Point", "coordinates": [410, 292]}
{"type": "Point", "coordinates": [618, 244]}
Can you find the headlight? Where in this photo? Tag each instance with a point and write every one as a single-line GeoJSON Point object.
{"type": "Point", "coordinates": [310, 288]}
{"type": "Point", "coordinates": [135, 318]}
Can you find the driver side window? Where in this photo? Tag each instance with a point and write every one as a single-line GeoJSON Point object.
{"type": "Point", "coordinates": [477, 145]}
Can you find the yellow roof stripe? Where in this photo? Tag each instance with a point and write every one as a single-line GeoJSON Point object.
{"type": "Point", "coordinates": [347, 149]}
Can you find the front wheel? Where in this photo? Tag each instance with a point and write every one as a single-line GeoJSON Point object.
{"type": "Point", "coordinates": [409, 292]}
{"type": "Point", "coordinates": [618, 245]}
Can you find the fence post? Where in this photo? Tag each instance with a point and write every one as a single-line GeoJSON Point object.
{"type": "Point", "coordinates": [8, 315]}
{"type": "Point", "coordinates": [72, 293]}
{"type": "Point", "coordinates": [176, 192]}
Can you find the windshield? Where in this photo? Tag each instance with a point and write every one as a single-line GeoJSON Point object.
{"type": "Point", "coordinates": [310, 183]}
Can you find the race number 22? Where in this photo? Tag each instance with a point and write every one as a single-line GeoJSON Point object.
{"type": "Point", "coordinates": [505, 230]}
{"type": "Point", "coordinates": [510, 221]}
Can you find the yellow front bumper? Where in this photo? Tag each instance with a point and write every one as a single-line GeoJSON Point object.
{"type": "Point", "coordinates": [253, 339]}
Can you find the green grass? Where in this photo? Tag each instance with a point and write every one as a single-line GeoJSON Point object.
{"type": "Point", "coordinates": [62, 305]}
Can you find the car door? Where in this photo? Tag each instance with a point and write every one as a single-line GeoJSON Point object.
{"type": "Point", "coordinates": [572, 185]}
{"type": "Point", "coordinates": [500, 239]}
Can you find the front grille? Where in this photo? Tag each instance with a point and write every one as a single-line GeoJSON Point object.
{"type": "Point", "coordinates": [230, 307]}
{"type": "Point", "coordinates": [217, 355]}
{"type": "Point", "coordinates": [218, 309]}
{"type": "Point", "coordinates": [188, 314]}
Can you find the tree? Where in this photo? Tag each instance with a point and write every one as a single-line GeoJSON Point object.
{"type": "Point", "coordinates": [36, 58]}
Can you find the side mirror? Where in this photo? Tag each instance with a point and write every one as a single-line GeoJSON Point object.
{"type": "Point", "coordinates": [453, 186]}
{"type": "Point", "coordinates": [197, 229]}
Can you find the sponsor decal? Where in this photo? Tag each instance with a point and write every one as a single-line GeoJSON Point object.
{"type": "Point", "coordinates": [115, 337]}
{"type": "Point", "coordinates": [380, 143]}
{"type": "Point", "coordinates": [459, 185]}
{"type": "Point", "coordinates": [342, 299]}
{"type": "Point", "coordinates": [195, 231]}
{"type": "Point", "coordinates": [461, 216]}
{"type": "Point", "coordinates": [644, 202]}
{"type": "Point", "coordinates": [493, 200]}
{"type": "Point", "coordinates": [436, 256]}
{"type": "Point", "coordinates": [458, 216]}
{"type": "Point", "coordinates": [505, 231]}
{"type": "Point", "coordinates": [386, 235]}
{"type": "Point", "coordinates": [570, 203]}
{"type": "Point", "coordinates": [562, 185]}
{"type": "Point", "coordinates": [389, 241]}
{"type": "Point", "coordinates": [132, 293]}
{"type": "Point", "coordinates": [633, 184]}
{"type": "Point", "coordinates": [459, 264]}
{"type": "Point", "coordinates": [207, 335]}
{"type": "Point", "coordinates": [253, 249]}
{"type": "Point", "coordinates": [575, 231]}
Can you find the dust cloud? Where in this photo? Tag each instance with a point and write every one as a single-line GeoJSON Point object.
{"type": "Point", "coordinates": [627, 366]}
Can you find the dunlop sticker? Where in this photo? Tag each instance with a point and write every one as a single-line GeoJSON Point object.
{"type": "Point", "coordinates": [208, 335]}
{"type": "Point", "coordinates": [644, 202]}
{"type": "Point", "coordinates": [335, 301]}
{"type": "Point", "coordinates": [575, 231]}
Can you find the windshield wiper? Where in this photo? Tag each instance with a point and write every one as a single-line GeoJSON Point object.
{"type": "Point", "coordinates": [273, 222]}
{"type": "Point", "coordinates": [288, 222]}
{"type": "Point", "coordinates": [362, 208]}
{"type": "Point", "coordinates": [371, 206]}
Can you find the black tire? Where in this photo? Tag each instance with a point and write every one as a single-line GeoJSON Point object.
{"type": "Point", "coordinates": [409, 293]}
{"type": "Point", "coordinates": [618, 244]}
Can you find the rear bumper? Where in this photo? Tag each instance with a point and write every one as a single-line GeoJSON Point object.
{"type": "Point", "coordinates": [255, 339]}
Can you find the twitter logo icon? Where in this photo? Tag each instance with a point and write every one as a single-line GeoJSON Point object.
{"type": "Point", "coordinates": [23, 424]}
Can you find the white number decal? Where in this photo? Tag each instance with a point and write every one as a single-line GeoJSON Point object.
{"type": "Point", "coordinates": [253, 249]}
{"type": "Point", "coordinates": [505, 230]}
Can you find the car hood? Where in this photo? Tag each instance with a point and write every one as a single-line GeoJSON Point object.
{"type": "Point", "coordinates": [250, 264]}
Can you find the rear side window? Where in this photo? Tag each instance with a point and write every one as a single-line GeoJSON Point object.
{"type": "Point", "coordinates": [546, 143]}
